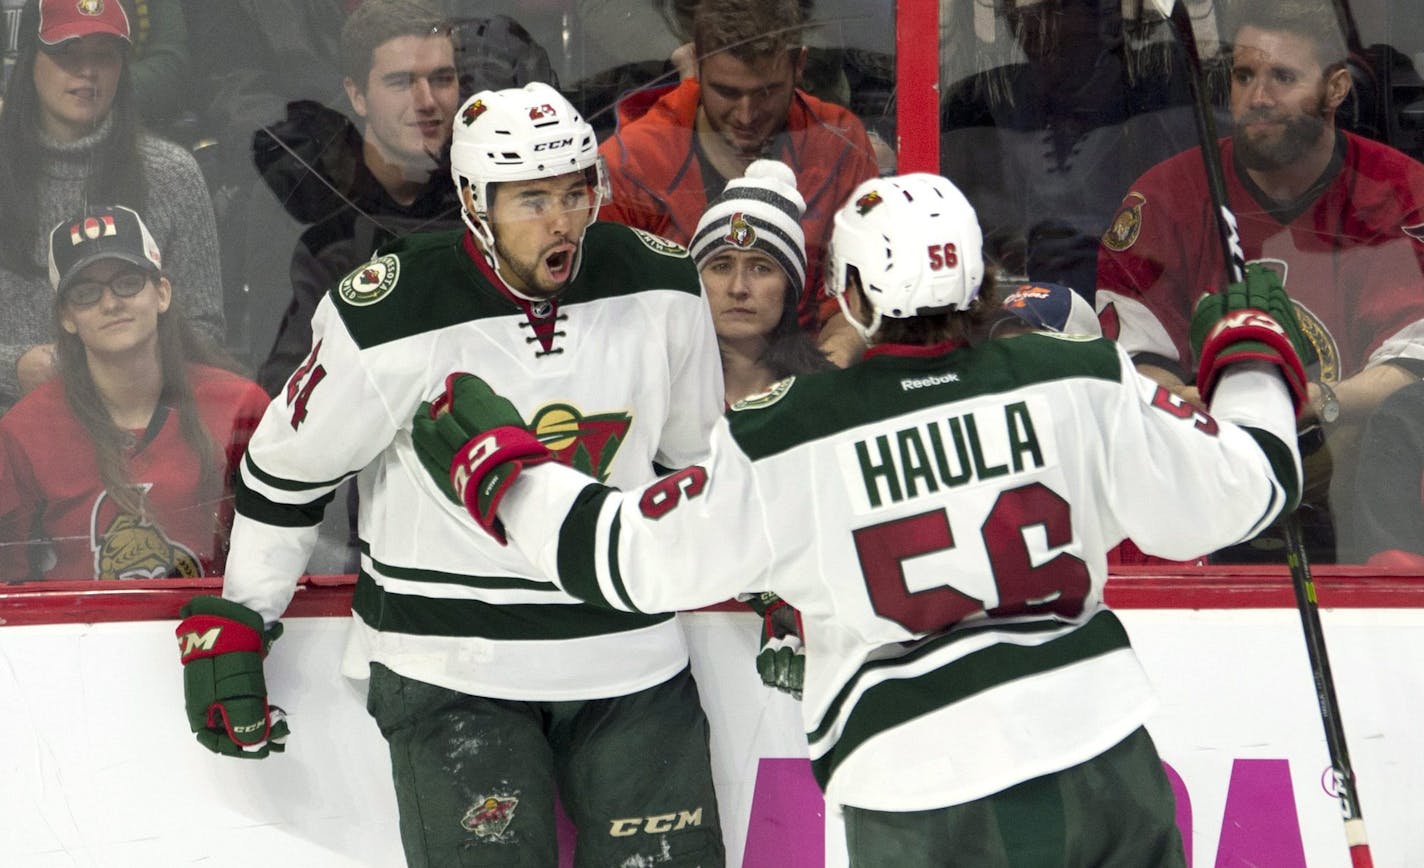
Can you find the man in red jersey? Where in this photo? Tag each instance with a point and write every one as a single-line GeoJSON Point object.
{"type": "Point", "coordinates": [1337, 215]}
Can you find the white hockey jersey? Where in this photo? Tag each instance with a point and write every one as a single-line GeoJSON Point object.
{"type": "Point", "coordinates": [623, 372]}
{"type": "Point", "coordinates": [941, 517]}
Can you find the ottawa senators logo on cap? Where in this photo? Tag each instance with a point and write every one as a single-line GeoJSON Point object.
{"type": "Point", "coordinates": [473, 111]}
{"type": "Point", "coordinates": [741, 233]}
{"type": "Point", "coordinates": [867, 202]}
{"type": "Point", "coordinates": [91, 7]}
{"type": "Point", "coordinates": [92, 228]}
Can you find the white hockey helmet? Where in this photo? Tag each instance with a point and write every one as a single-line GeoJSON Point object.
{"type": "Point", "coordinates": [518, 134]}
{"type": "Point", "coordinates": [916, 244]}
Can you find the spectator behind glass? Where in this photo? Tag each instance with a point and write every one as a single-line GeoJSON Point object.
{"type": "Point", "coordinates": [69, 135]}
{"type": "Point", "coordinates": [158, 59]}
{"type": "Point", "coordinates": [751, 254]}
{"type": "Point", "coordinates": [1337, 215]}
{"type": "Point", "coordinates": [385, 180]}
{"type": "Point", "coordinates": [678, 145]}
{"type": "Point", "coordinates": [119, 468]}
{"type": "Point", "coordinates": [1045, 141]}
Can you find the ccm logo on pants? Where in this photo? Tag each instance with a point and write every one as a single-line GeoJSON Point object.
{"type": "Point", "coordinates": [656, 824]}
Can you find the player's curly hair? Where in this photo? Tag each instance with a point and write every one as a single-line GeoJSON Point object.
{"type": "Point", "coordinates": [970, 325]}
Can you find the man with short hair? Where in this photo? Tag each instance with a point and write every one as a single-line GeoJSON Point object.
{"type": "Point", "coordinates": [497, 692]}
{"type": "Point", "coordinates": [940, 514]}
{"type": "Point", "coordinates": [1339, 216]}
{"type": "Point", "coordinates": [362, 188]}
{"type": "Point", "coordinates": [677, 146]}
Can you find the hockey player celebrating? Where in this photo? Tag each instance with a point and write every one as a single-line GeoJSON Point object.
{"type": "Point", "coordinates": [940, 513]}
{"type": "Point", "coordinates": [493, 687]}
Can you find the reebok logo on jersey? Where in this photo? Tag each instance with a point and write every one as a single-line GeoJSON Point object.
{"type": "Point", "coordinates": [910, 384]}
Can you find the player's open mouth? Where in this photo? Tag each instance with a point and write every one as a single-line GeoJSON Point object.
{"type": "Point", "coordinates": [560, 263]}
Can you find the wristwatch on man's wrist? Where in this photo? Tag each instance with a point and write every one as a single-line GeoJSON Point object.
{"type": "Point", "coordinates": [1329, 408]}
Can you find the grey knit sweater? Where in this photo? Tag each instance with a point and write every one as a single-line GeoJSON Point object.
{"type": "Point", "coordinates": [177, 211]}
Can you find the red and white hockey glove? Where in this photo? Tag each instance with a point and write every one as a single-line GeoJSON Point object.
{"type": "Point", "coordinates": [1253, 320]}
{"type": "Point", "coordinates": [222, 644]}
{"type": "Point", "coordinates": [473, 443]}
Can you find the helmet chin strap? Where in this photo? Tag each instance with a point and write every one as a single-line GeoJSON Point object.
{"type": "Point", "coordinates": [867, 332]}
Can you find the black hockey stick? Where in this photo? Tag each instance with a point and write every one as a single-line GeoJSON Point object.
{"type": "Point", "coordinates": [1305, 599]}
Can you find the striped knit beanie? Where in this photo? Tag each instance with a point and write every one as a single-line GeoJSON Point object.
{"type": "Point", "coordinates": [759, 211]}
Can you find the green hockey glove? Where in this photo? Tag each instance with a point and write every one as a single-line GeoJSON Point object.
{"type": "Point", "coordinates": [473, 443]}
{"type": "Point", "coordinates": [1253, 320]}
{"type": "Point", "coordinates": [781, 661]}
{"type": "Point", "coordinates": [222, 644]}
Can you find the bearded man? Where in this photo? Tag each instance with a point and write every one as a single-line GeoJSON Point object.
{"type": "Point", "coordinates": [1337, 215]}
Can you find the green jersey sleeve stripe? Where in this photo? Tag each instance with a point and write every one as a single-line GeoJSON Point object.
{"type": "Point", "coordinates": [255, 506]}
{"type": "Point", "coordinates": [578, 546]}
{"type": "Point", "coordinates": [1282, 465]}
{"type": "Point", "coordinates": [281, 484]}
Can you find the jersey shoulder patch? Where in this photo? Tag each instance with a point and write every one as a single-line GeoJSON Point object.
{"type": "Point", "coordinates": [419, 283]}
{"type": "Point", "coordinates": [370, 282]}
{"type": "Point", "coordinates": [619, 260]}
{"type": "Point", "coordinates": [762, 400]}
{"type": "Point", "coordinates": [659, 244]}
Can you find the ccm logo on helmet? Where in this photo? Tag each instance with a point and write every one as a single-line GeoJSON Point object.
{"type": "Point", "coordinates": [559, 143]}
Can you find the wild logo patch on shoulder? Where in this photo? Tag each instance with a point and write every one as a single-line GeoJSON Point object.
{"type": "Point", "coordinates": [777, 391]}
{"type": "Point", "coordinates": [659, 244]}
{"type": "Point", "coordinates": [371, 282]}
{"type": "Point", "coordinates": [1127, 225]}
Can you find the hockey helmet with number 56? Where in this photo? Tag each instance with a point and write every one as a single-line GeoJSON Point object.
{"type": "Point", "coordinates": [518, 134]}
{"type": "Point", "coordinates": [914, 241]}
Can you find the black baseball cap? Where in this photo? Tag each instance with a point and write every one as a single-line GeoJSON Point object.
{"type": "Point", "coordinates": [105, 232]}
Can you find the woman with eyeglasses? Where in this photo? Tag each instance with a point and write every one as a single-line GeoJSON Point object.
{"type": "Point", "coordinates": [119, 468]}
{"type": "Point", "coordinates": [70, 136]}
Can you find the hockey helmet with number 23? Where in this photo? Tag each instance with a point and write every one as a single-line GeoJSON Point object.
{"type": "Point", "coordinates": [518, 134]}
{"type": "Point", "coordinates": [915, 242]}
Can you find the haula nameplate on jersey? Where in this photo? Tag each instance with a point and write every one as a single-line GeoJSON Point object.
{"type": "Point", "coordinates": [926, 452]}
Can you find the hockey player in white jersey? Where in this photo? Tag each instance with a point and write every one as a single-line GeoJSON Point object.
{"type": "Point", "coordinates": [940, 513]}
{"type": "Point", "coordinates": [494, 688]}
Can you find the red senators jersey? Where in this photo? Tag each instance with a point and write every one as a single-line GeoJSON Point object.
{"type": "Point", "coordinates": [58, 522]}
{"type": "Point", "coordinates": [1351, 252]}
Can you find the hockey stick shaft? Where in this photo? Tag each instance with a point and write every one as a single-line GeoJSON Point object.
{"type": "Point", "coordinates": [1306, 603]}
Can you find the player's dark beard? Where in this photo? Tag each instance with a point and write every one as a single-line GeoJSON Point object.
{"type": "Point", "coordinates": [528, 275]}
{"type": "Point", "coordinates": [1298, 136]}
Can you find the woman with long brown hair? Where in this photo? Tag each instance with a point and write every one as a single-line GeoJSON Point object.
{"type": "Point", "coordinates": [119, 467]}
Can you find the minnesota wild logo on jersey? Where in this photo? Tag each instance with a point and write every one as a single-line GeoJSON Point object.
{"type": "Point", "coordinates": [371, 282]}
{"type": "Point", "coordinates": [585, 443]}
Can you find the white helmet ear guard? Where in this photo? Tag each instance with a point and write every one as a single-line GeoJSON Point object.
{"type": "Point", "coordinates": [518, 134]}
{"type": "Point", "coordinates": [915, 243]}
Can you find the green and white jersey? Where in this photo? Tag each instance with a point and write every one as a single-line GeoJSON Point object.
{"type": "Point", "coordinates": [621, 374]}
{"type": "Point", "coordinates": [941, 517]}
